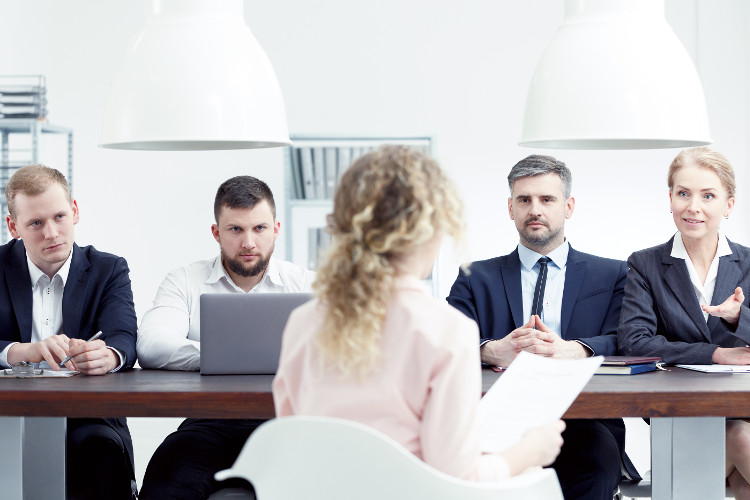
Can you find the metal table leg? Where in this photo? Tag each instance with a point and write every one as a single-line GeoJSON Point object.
{"type": "Point", "coordinates": [687, 458]}
{"type": "Point", "coordinates": [32, 464]}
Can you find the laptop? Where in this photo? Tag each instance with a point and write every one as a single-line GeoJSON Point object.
{"type": "Point", "coordinates": [241, 332]}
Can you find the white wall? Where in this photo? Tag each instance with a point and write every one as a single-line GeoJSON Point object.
{"type": "Point", "coordinates": [454, 70]}
{"type": "Point", "coordinates": [457, 70]}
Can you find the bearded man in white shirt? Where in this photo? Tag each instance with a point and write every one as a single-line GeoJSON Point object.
{"type": "Point", "coordinates": [169, 336]}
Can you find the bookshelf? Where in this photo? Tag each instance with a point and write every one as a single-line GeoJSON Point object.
{"type": "Point", "coordinates": [22, 140]}
{"type": "Point", "coordinates": [313, 166]}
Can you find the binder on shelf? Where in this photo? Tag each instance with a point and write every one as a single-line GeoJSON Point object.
{"type": "Point", "coordinates": [330, 157]}
{"type": "Point", "coordinates": [344, 161]}
{"type": "Point", "coordinates": [308, 179]}
{"type": "Point", "coordinates": [296, 165]}
{"type": "Point", "coordinates": [319, 173]}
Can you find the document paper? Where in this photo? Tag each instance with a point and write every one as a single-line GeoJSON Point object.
{"type": "Point", "coordinates": [717, 368]}
{"type": "Point", "coordinates": [533, 391]}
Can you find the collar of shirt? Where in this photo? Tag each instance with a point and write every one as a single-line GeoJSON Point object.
{"type": "Point", "coordinates": [410, 282]}
{"type": "Point", "coordinates": [35, 274]}
{"type": "Point", "coordinates": [703, 291]}
{"type": "Point", "coordinates": [271, 278]}
{"type": "Point", "coordinates": [679, 251]}
{"type": "Point", "coordinates": [529, 258]}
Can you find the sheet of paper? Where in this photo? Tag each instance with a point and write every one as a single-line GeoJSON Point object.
{"type": "Point", "coordinates": [45, 373]}
{"type": "Point", "coordinates": [61, 373]}
{"type": "Point", "coordinates": [533, 391]}
{"type": "Point", "coordinates": [717, 368]}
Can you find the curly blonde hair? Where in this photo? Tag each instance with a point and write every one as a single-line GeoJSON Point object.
{"type": "Point", "coordinates": [388, 203]}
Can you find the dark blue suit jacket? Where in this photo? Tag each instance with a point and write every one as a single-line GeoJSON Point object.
{"type": "Point", "coordinates": [97, 296]}
{"type": "Point", "coordinates": [491, 295]}
{"type": "Point", "coordinates": [661, 315]}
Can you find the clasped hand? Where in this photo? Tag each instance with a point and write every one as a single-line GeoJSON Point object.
{"type": "Point", "coordinates": [90, 358]}
{"type": "Point", "coordinates": [534, 337]}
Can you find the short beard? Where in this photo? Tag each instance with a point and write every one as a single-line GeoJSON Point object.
{"type": "Point", "coordinates": [539, 240]}
{"type": "Point", "coordinates": [236, 266]}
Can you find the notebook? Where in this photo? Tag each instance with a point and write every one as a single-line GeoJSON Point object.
{"type": "Point", "coordinates": [241, 332]}
{"type": "Point", "coordinates": [628, 365]}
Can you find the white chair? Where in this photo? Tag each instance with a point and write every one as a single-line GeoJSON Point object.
{"type": "Point", "coordinates": [336, 459]}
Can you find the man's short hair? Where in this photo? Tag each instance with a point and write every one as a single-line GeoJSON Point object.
{"type": "Point", "coordinates": [243, 191]}
{"type": "Point", "coordinates": [32, 180]}
{"type": "Point", "coordinates": [541, 165]}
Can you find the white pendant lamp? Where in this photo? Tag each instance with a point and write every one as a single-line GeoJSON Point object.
{"type": "Point", "coordinates": [195, 78]}
{"type": "Point", "coordinates": [615, 77]}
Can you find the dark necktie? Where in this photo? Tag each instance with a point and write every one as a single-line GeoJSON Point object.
{"type": "Point", "coordinates": [538, 303]}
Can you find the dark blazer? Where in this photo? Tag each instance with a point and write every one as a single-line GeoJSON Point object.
{"type": "Point", "coordinates": [491, 295]}
{"type": "Point", "coordinates": [661, 315]}
{"type": "Point", "coordinates": [97, 296]}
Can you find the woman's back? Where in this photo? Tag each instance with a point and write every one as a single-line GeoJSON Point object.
{"type": "Point", "coordinates": [423, 392]}
{"type": "Point", "coordinates": [376, 347]}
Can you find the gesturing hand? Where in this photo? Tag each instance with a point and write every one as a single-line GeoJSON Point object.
{"type": "Point", "coordinates": [729, 310]}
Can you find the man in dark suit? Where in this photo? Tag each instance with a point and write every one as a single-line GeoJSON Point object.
{"type": "Point", "coordinates": [549, 299]}
{"type": "Point", "coordinates": [54, 296]}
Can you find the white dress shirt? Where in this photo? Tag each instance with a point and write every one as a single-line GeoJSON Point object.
{"type": "Point", "coordinates": [169, 335]}
{"type": "Point", "coordinates": [703, 291]}
{"type": "Point", "coordinates": [46, 311]}
{"type": "Point", "coordinates": [554, 287]}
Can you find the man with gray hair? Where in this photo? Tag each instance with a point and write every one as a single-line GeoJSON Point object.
{"type": "Point", "coordinates": [549, 299]}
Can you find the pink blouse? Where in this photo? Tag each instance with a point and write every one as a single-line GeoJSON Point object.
{"type": "Point", "coordinates": [423, 392]}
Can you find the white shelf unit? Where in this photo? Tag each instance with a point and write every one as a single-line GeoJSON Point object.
{"type": "Point", "coordinates": [312, 168]}
{"type": "Point", "coordinates": [21, 144]}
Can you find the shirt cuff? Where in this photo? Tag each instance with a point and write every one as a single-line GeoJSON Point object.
{"type": "Point", "coordinates": [4, 356]}
{"type": "Point", "coordinates": [586, 346]}
{"type": "Point", "coordinates": [120, 356]}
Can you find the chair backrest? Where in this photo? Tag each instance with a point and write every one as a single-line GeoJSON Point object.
{"type": "Point", "coordinates": [336, 459]}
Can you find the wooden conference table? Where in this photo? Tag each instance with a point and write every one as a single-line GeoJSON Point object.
{"type": "Point", "coordinates": [687, 410]}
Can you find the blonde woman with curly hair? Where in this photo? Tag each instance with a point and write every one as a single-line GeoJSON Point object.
{"type": "Point", "coordinates": [376, 347]}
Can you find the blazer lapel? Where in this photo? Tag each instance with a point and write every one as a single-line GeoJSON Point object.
{"type": "Point", "coordinates": [75, 291]}
{"type": "Point", "coordinates": [727, 279]}
{"type": "Point", "coordinates": [17, 276]}
{"type": "Point", "coordinates": [575, 272]}
{"type": "Point", "coordinates": [510, 269]}
{"type": "Point", "coordinates": [677, 278]}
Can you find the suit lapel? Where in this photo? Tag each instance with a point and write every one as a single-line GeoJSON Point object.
{"type": "Point", "coordinates": [75, 291]}
{"type": "Point", "coordinates": [575, 272]}
{"type": "Point", "coordinates": [727, 279]}
{"type": "Point", "coordinates": [510, 269]}
{"type": "Point", "coordinates": [19, 289]}
{"type": "Point", "coordinates": [677, 278]}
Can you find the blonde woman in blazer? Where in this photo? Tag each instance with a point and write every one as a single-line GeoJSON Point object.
{"type": "Point", "coordinates": [684, 300]}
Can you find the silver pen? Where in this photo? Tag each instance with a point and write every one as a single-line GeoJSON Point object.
{"type": "Point", "coordinates": [96, 336]}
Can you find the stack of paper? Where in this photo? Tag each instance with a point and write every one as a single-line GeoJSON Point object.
{"type": "Point", "coordinates": [23, 96]}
